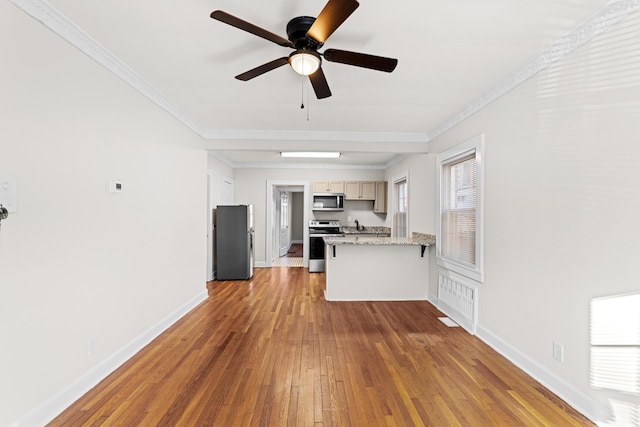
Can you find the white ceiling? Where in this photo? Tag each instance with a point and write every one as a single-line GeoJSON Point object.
{"type": "Point", "coordinates": [451, 54]}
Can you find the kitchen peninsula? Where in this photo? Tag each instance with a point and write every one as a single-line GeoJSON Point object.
{"type": "Point", "coordinates": [368, 268]}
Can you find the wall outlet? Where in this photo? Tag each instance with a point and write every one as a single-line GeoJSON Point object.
{"type": "Point", "coordinates": [92, 345]}
{"type": "Point", "coordinates": [558, 352]}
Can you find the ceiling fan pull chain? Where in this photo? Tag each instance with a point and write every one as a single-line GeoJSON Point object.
{"type": "Point", "coordinates": [302, 92]}
{"type": "Point", "coordinates": [308, 104]}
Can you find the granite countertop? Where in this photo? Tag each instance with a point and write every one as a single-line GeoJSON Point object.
{"type": "Point", "coordinates": [417, 239]}
{"type": "Point", "coordinates": [374, 230]}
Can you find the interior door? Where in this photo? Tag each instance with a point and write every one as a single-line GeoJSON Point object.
{"type": "Point", "coordinates": [285, 240]}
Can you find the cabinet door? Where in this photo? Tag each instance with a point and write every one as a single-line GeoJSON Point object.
{"type": "Point", "coordinates": [380, 204]}
{"type": "Point", "coordinates": [352, 190]}
{"type": "Point", "coordinates": [336, 186]}
{"type": "Point", "coordinates": [367, 190]}
{"type": "Point", "coordinates": [321, 187]}
{"type": "Point", "coordinates": [328, 186]}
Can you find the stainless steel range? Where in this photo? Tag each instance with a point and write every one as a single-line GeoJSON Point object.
{"type": "Point", "coordinates": [317, 230]}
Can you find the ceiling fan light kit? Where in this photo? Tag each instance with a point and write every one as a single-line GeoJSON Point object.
{"type": "Point", "coordinates": [304, 62]}
{"type": "Point", "coordinates": [306, 35]}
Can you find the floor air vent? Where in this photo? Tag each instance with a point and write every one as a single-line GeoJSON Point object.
{"type": "Point", "coordinates": [458, 300]}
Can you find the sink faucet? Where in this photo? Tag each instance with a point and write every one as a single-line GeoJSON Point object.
{"type": "Point", "coordinates": [357, 225]}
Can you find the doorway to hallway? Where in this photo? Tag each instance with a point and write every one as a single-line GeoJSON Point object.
{"type": "Point", "coordinates": [287, 214]}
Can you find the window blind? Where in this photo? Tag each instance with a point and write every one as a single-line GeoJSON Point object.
{"type": "Point", "coordinates": [615, 343]}
{"type": "Point", "coordinates": [402, 202]}
{"type": "Point", "coordinates": [458, 210]}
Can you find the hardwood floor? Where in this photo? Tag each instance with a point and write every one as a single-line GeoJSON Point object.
{"type": "Point", "coordinates": [295, 251]}
{"type": "Point", "coordinates": [272, 352]}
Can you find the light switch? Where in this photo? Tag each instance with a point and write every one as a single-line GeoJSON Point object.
{"type": "Point", "coordinates": [9, 193]}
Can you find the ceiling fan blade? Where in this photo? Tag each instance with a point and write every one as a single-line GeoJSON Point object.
{"type": "Point", "coordinates": [222, 16]}
{"type": "Point", "coordinates": [335, 12]}
{"type": "Point", "coordinates": [320, 85]}
{"type": "Point", "coordinates": [248, 75]}
{"type": "Point", "coordinates": [364, 60]}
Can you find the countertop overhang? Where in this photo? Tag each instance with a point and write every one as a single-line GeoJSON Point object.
{"type": "Point", "coordinates": [418, 239]}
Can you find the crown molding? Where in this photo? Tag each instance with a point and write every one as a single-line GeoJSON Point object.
{"type": "Point", "coordinates": [51, 18]}
{"type": "Point", "coordinates": [608, 16]}
{"type": "Point", "coordinates": [600, 22]}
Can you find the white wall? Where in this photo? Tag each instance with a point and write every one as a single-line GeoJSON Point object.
{"type": "Point", "coordinates": [420, 169]}
{"type": "Point", "coordinates": [251, 188]}
{"type": "Point", "coordinates": [562, 205]}
{"type": "Point", "coordinates": [218, 170]}
{"type": "Point", "coordinates": [421, 172]}
{"type": "Point", "coordinates": [76, 260]}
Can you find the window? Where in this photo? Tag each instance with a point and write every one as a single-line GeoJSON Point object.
{"type": "Point", "coordinates": [284, 209]}
{"type": "Point", "coordinates": [401, 208]}
{"type": "Point", "coordinates": [615, 343]}
{"type": "Point", "coordinates": [459, 228]}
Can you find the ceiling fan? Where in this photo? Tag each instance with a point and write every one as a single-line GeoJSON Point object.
{"type": "Point", "coordinates": [306, 35]}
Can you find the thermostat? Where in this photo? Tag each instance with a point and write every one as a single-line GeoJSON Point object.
{"type": "Point", "coordinates": [115, 187]}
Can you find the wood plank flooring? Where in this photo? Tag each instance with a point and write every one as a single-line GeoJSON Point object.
{"type": "Point", "coordinates": [272, 352]}
{"type": "Point", "coordinates": [295, 251]}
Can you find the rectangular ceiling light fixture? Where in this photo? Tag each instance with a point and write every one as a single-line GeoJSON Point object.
{"type": "Point", "coordinates": [311, 154]}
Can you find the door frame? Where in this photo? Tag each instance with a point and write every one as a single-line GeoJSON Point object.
{"type": "Point", "coordinates": [272, 190]}
{"type": "Point", "coordinates": [210, 263]}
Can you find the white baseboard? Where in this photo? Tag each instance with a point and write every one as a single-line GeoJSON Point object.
{"type": "Point", "coordinates": [55, 405]}
{"type": "Point", "coordinates": [260, 264]}
{"type": "Point", "coordinates": [293, 242]}
{"type": "Point", "coordinates": [433, 299]}
{"type": "Point", "coordinates": [590, 408]}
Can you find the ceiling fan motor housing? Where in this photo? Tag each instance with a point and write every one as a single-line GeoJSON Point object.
{"type": "Point", "coordinates": [297, 33]}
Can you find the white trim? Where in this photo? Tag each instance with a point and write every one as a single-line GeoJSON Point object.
{"type": "Point", "coordinates": [433, 299]}
{"type": "Point", "coordinates": [475, 144]}
{"type": "Point", "coordinates": [57, 403]}
{"type": "Point", "coordinates": [583, 403]}
{"type": "Point", "coordinates": [210, 230]}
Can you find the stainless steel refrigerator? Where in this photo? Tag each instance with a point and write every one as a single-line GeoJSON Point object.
{"type": "Point", "coordinates": [234, 242]}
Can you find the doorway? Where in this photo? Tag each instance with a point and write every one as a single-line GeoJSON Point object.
{"type": "Point", "coordinates": [287, 214]}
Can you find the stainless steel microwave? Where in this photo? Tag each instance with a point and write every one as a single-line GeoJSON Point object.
{"type": "Point", "coordinates": [328, 202]}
